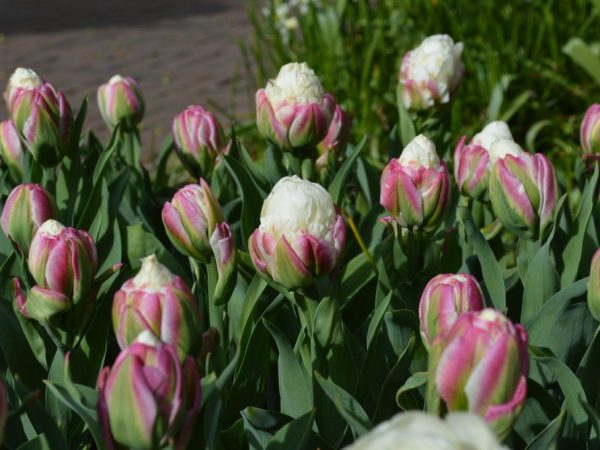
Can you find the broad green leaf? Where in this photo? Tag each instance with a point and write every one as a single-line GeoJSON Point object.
{"type": "Point", "coordinates": [38, 443]}
{"type": "Point", "coordinates": [377, 318]}
{"type": "Point", "coordinates": [548, 437]}
{"type": "Point", "coordinates": [579, 52]}
{"type": "Point", "coordinates": [296, 435]}
{"type": "Point", "coordinates": [415, 381]}
{"type": "Point", "coordinates": [337, 188]}
{"type": "Point", "coordinates": [541, 283]}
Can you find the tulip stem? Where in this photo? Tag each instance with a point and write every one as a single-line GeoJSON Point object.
{"type": "Point", "coordinates": [360, 241]}
{"type": "Point", "coordinates": [215, 312]}
{"type": "Point", "coordinates": [307, 309]}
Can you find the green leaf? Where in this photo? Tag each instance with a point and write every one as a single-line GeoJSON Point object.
{"type": "Point", "coordinates": [356, 274]}
{"type": "Point", "coordinates": [346, 405]}
{"type": "Point", "coordinates": [548, 437]}
{"type": "Point", "coordinates": [406, 127]}
{"type": "Point", "coordinates": [296, 435]}
{"type": "Point", "coordinates": [415, 381]}
{"type": "Point", "coordinates": [582, 55]}
{"type": "Point", "coordinates": [38, 443]}
{"type": "Point", "coordinates": [377, 318]}
{"type": "Point", "coordinates": [541, 283]}
{"type": "Point", "coordinates": [337, 188]}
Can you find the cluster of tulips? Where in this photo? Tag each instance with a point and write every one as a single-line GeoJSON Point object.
{"type": "Point", "coordinates": [150, 397]}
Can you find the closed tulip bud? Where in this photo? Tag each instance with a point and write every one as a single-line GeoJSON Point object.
{"type": "Point", "coordinates": [589, 133]}
{"type": "Point", "coordinates": [301, 233]}
{"type": "Point", "coordinates": [199, 139]}
{"type": "Point", "coordinates": [63, 260]}
{"type": "Point", "coordinates": [158, 302]}
{"type": "Point", "coordinates": [431, 72]}
{"type": "Point", "coordinates": [594, 286]}
{"type": "Point", "coordinates": [415, 187]}
{"type": "Point", "coordinates": [524, 191]}
{"type": "Point", "coordinates": [190, 220]}
{"type": "Point", "coordinates": [331, 148]}
{"type": "Point", "coordinates": [293, 110]}
{"type": "Point", "coordinates": [149, 399]}
{"type": "Point", "coordinates": [444, 299]}
{"type": "Point", "coordinates": [415, 430]}
{"type": "Point", "coordinates": [224, 251]}
{"type": "Point", "coordinates": [11, 149]}
{"type": "Point", "coordinates": [27, 207]}
{"type": "Point", "coordinates": [120, 101]}
{"type": "Point", "coordinates": [41, 115]}
{"type": "Point", "coordinates": [472, 162]}
{"type": "Point", "coordinates": [3, 410]}
{"type": "Point", "coordinates": [480, 365]}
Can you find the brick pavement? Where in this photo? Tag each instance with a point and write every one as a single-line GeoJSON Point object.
{"type": "Point", "coordinates": [181, 52]}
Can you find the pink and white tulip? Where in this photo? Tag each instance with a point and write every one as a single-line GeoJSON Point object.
{"type": "Point", "coordinates": [120, 101]}
{"type": "Point", "coordinates": [431, 72]}
{"type": "Point", "coordinates": [199, 139]}
{"type": "Point", "coordinates": [480, 365]}
{"type": "Point", "coordinates": [190, 220]}
{"type": "Point", "coordinates": [415, 188]}
{"type": "Point", "coordinates": [11, 149]}
{"type": "Point", "coordinates": [589, 133]}
{"type": "Point", "coordinates": [27, 207]}
{"type": "Point", "coordinates": [444, 299]}
{"type": "Point", "coordinates": [41, 115]}
{"type": "Point", "coordinates": [159, 302]}
{"type": "Point", "coordinates": [301, 233]}
{"type": "Point", "coordinates": [149, 399]}
{"type": "Point", "coordinates": [293, 110]}
{"type": "Point", "coordinates": [523, 191]}
{"type": "Point", "coordinates": [593, 293]}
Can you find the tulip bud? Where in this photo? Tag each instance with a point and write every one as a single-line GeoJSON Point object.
{"type": "Point", "coordinates": [11, 149]}
{"type": "Point", "coordinates": [62, 260]}
{"type": "Point", "coordinates": [301, 233]}
{"type": "Point", "coordinates": [415, 430]}
{"type": "Point", "coordinates": [199, 139]}
{"type": "Point", "coordinates": [120, 101]}
{"type": "Point", "coordinates": [149, 399]}
{"type": "Point", "coordinates": [472, 162]}
{"type": "Point", "coordinates": [594, 286]}
{"type": "Point", "coordinates": [158, 302]}
{"type": "Point", "coordinates": [415, 187]}
{"type": "Point", "coordinates": [3, 410]}
{"type": "Point", "coordinates": [589, 133]}
{"type": "Point", "coordinates": [480, 365]}
{"type": "Point", "coordinates": [523, 190]}
{"type": "Point", "coordinates": [444, 299]}
{"type": "Point", "coordinates": [190, 220]}
{"type": "Point", "coordinates": [431, 72]}
{"type": "Point", "coordinates": [331, 148]}
{"type": "Point", "coordinates": [293, 110]}
{"type": "Point", "coordinates": [223, 247]}
{"type": "Point", "coordinates": [27, 207]}
{"type": "Point", "coordinates": [41, 115]}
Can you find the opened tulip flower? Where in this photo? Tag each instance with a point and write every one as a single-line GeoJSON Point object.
{"type": "Point", "coordinates": [523, 189]}
{"type": "Point", "coordinates": [593, 293]}
{"type": "Point", "coordinates": [331, 148]}
{"type": "Point", "coordinates": [293, 110]}
{"type": "Point", "coordinates": [430, 73]}
{"type": "Point", "coordinates": [27, 207]}
{"type": "Point", "coordinates": [11, 150]}
{"type": "Point", "coordinates": [199, 139]}
{"type": "Point", "coordinates": [589, 133]}
{"type": "Point", "coordinates": [301, 233]}
{"type": "Point", "coordinates": [149, 399]}
{"type": "Point", "coordinates": [157, 301]}
{"type": "Point", "coordinates": [444, 299]}
{"type": "Point", "coordinates": [480, 365]}
{"type": "Point", "coordinates": [190, 220]}
{"type": "Point", "coordinates": [415, 430]}
{"type": "Point", "coordinates": [120, 101]}
{"type": "Point", "coordinates": [41, 115]}
{"type": "Point", "coordinates": [415, 187]}
{"type": "Point", "coordinates": [472, 162]}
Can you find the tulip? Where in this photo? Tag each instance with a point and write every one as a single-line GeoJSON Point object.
{"type": "Point", "coordinates": [120, 101]}
{"type": "Point", "coordinates": [190, 220]}
{"type": "Point", "coordinates": [415, 187]}
{"type": "Point", "coordinates": [157, 301]}
{"type": "Point", "coordinates": [223, 248]}
{"type": "Point", "coordinates": [293, 110]}
{"type": "Point", "coordinates": [415, 430]}
{"type": "Point", "coordinates": [11, 149]}
{"type": "Point", "coordinates": [331, 148]}
{"type": "Point", "coordinates": [3, 410]}
{"type": "Point", "coordinates": [430, 73]}
{"type": "Point", "coordinates": [472, 162]}
{"type": "Point", "coordinates": [63, 263]}
{"type": "Point", "coordinates": [199, 139]}
{"type": "Point", "coordinates": [41, 115]}
{"type": "Point", "coordinates": [301, 233]}
{"type": "Point", "coordinates": [523, 190]}
{"type": "Point", "coordinates": [589, 133]}
{"type": "Point", "coordinates": [27, 207]}
{"type": "Point", "coordinates": [593, 294]}
{"type": "Point", "coordinates": [444, 299]}
{"type": "Point", "coordinates": [480, 365]}
{"type": "Point", "coordinates": [149, 399]}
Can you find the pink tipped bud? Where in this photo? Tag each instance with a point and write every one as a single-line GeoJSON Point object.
{"type": "Point", "coordinates": [331, 148]}
{"type": "Point", "coordinates": [11, 149]}
{"type": "Point", "coordinates": [120, 101]}
{"type": "Point", "coordinates": [223, 247]}
{"type": "Point", "coordinates": [594, 286]}
{"type": "Point", "coordinates": [589, 133]}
